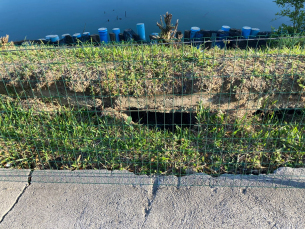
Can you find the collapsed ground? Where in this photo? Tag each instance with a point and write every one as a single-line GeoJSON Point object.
{"type": "Point", "coordinates": [74, 109]}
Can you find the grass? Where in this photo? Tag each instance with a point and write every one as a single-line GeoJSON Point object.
{"type": "Point", "coordinates": [74, 137]}
{"type": "Point", "coordinates": [83, 139]}
{"type": "Point", "coordinates": [143, 69]}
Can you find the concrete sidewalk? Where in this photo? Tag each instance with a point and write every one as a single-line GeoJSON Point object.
{"type": "Point", "coordinates": [119, 199]}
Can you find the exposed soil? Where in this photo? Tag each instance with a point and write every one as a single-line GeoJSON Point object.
{"type": "Point", "coordinates": [228, 83]}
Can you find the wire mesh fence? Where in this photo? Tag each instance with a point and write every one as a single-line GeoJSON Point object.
{"type": "Point", "coordinates": [225, 111]}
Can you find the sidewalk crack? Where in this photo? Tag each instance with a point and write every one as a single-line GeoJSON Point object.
{"type": "Point", "coordinates": [17, 199]}
{"type": "Point", "coordinates": [155, 188]}
{"type": "Point", "coordinates": [30, 177]}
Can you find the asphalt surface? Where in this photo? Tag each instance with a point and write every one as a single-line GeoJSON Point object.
{"type": "Point", "coordinates": [119, 199]}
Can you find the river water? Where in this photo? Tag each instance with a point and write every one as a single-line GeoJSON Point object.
{"type": "Point", "coordinates": [33, 19]}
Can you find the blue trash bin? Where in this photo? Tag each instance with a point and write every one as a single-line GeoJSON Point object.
{"type": "Point", "coordinates": [103, 32]}
{"type": "Point", "coordinates": [52, 38]}
{"type": "Point", "coordinates": [246, 31]}
{"type": "Point", "coordinates": [254, 32]}
{"type": "Point", "coordinates": [141, 31]}
{"type": "Point", "coordinates": [116, 31]}
{"type": "Point", "coordinates": [226, 28]}
{"type": "Point", "coordinates": [194, 30]}
{"type": "Point", "coordinates": [193, 38]}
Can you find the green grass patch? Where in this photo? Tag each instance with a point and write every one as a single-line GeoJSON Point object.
{"type": "Point", "coordinates": [82, 139]}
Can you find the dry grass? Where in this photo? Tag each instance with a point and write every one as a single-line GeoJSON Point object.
{"type": "Point", "coordinates": [152, 70]}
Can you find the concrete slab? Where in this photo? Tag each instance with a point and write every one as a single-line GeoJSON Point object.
{"type": "Point", "coordinates": [77, 205]}
{"type": "Point", "coordinates": [228, 201]}
{"type": "Point", "coordinates": [120, 199]}
{"type": "Point", "coordinates": [206, 207]}
{"type": "Point", "coordinates": [12, 185]}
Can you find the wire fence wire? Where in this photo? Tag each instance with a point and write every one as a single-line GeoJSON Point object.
{"type": "Point", "coordinates": [128, 112]}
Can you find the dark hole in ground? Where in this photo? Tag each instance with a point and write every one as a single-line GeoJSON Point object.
{"type": "Point", "coordinates": [282, 114]}
{"type": "Point", "coordinates": [161, 120]}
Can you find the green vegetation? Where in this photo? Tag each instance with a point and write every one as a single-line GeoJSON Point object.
{"type": "Point", "coordinates": [83, 139]}
{"type": "Point", "coordinates": [293, 9]}
{"type": "Point", "coordinates": [144, 70]}
{"type": "Point", "coordinates": [39, 131]}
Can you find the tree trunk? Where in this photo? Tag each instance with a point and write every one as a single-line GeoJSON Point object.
{"type": "Point", "coordinates": [168, 32]}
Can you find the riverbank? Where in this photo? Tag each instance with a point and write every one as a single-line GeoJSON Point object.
{"type": "Point", "coordinates": [70, 108]}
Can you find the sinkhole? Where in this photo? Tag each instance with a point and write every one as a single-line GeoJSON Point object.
{"type": "Point", "coordinates": [285, 114]}
{"type": "Point", "coordinates": [162, 120]}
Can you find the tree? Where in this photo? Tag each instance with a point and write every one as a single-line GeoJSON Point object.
{"type": "Point", "coordinates": [294, 10]}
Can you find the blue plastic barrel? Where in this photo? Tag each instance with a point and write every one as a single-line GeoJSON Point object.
{"type": "Point", "coordinates": [116, 31]}
{"type": "Point", "coordinates": [254, 32]}
{"type": "Point", "coordinates": [103, 32]}
{"type": "Point", "coordinates": [52, 38]}
{"type": "Point", "coordinates": [86, 34]}
{"type": "Point", "coordinates": [225, 28]}
{"type": "Point", "coordinates": [246, 31]}
{"type": "Point", "coordinates": [141, 30]}
{"type": "Point", "coordinates": [193, 31]}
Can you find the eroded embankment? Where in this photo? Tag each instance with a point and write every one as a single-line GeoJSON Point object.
{"type": "Point", "coordinates": [153, 78]}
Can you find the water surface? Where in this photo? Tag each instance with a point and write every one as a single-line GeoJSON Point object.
{"type": "Point", "coordinates": [33, 19]}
